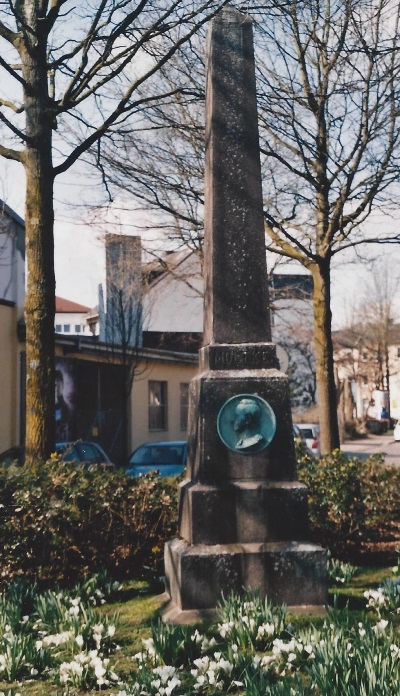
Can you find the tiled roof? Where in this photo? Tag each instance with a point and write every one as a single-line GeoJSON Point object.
{"type": "Point", "coordinates": [63, 305]}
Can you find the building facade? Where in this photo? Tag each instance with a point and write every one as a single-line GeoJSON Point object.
{"type": "Point", "coordinates": [90, 377]}
{"type": "Point", "coordinates": [12, 293]}
{"type": "Point", "coordinates": [370, 368]}
{"type": "Point", "coordinates": [71, 318]}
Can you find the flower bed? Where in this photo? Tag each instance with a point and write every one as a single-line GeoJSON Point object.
{"type": "Point", "coordinates": [66, 639]}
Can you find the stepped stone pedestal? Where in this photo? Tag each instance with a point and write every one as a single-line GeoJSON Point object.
{"type": "Point", "coordinates": [243, 521]}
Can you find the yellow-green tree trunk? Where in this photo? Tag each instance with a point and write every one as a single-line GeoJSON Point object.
{"type": "Point", "coordinates": [39, 222]}
{"type": "Point", "coordinates": [326, 387]}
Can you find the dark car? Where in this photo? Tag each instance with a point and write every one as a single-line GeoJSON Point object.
{"type": "Point", "coordinates": [166, 458]}
{"type": "Point", "coordinates": [14, 454]}
{"type": "Point", "coordinates": [85, 453]}
{"type": "Point", "coordinates": [376, 426]}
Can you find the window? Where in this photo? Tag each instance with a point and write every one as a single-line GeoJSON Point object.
{"type": "Point", "coordinates": [67, 328]}
{"type": "Point", "coordinates": [184, 401]}
{"type": "Point", "coordinates": [58, 328]}
{"type": "Point", "coordinates": [157, 405]}
{"type": "Point", "coordinates": [78, 328]}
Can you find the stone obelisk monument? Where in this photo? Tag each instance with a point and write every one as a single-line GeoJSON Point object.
{"type": "Point", "coordinates": [243, 520]}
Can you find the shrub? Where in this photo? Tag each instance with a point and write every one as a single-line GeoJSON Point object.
{"type": "Point", "coordinates": [59, 522]}
{"type": "Point", "coordinates": [350, 501]}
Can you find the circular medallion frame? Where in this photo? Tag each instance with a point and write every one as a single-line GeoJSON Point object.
{"type": "Point", "coordinates": [246, 424]}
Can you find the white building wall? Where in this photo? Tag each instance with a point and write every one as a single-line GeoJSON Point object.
{"type": "Point", "coordinates": [174, 303]}
{"type": "Point", "coordinates": [71, 324]}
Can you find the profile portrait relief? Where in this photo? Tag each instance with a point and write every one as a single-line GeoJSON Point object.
{"type": "Point", "coordinates": [247, 425]}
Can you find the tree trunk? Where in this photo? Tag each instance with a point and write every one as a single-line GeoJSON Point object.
{"type": "Point", "coordinates": [328, 421]}
{"type": "Point", "coordinates": [39, 222]}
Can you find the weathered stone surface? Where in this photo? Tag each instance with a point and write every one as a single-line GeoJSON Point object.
{"type": "Point", "coordinates": [245, 356]}
{"type": "Point", "coordinates": [243, 514]}
{"type": "Point", "coordinates": [292, 573]}
{"type": "Point", "coordinates": [236, 292]}
{"type": "Point", "coordinates": [208, 459]}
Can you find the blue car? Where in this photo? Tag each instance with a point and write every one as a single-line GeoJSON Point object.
{"type": "Point", "coordinates": [166, 458]}
{"type": "Point", "coordinates": [86, 453]}
{"type": "Point", "coordinates": [81, 452]}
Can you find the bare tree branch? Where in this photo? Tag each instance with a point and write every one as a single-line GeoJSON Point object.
{"type": "Point", "coordinates": [12, 106]}
{"type": "Point", "coordinates": [9, 153]}
{"type": "Point", "coordinates": [7, 34]}
{"type": "Point", "coordinates": [17, 131]}
{"type": "Point", "coordinates": [329, 133]}
{"type": "Point", "coordinates": [69, 55]}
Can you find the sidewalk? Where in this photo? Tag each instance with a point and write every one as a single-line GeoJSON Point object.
{"type": "Point", "coordinates": [374, 444]}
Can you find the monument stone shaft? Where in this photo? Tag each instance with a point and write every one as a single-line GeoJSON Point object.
{"type": "Point", "coordinates": [236, 291]}
{"type": "Point", "coordinates": [243, 519]}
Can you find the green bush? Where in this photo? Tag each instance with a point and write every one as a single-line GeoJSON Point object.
{"type": "Point", "coordinates": [59, 522]}
{"type": "Point", "coordinates": [350, 501]}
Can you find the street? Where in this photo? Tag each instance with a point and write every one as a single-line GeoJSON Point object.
{"type": "Point", "coordinates": [374, 444]}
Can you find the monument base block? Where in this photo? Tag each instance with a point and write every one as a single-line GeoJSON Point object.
{"type": "Point", "coordinates": [291, 573]}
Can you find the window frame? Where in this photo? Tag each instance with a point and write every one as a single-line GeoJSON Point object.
{"type": "Point", "coordinates": [157, 412]}
{"type": "Point", "coordinates": [184, 405]}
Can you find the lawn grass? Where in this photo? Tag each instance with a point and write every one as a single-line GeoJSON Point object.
{"type": "Point", "coordinates": [137, 608]}
{"type": "Point", "coordinates": [352, 594]}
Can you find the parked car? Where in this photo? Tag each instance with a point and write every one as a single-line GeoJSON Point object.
{"type": "Point", "coordinates": [376, 426]}
{"type": "Point", "coordinates": [396, 431]}
{"type": "Point", "coordinates": [82, 452]}
{"type": "Point", "coordinates": [86, 453]}
{"type": "Point", "coordinates": [298, 435]}
{"type": "Point", "coordinates": [166, 458]}
{"type": "Point", "coordinates": [310, 433]}
{"type": "Point", "coordinates": [13, 454]}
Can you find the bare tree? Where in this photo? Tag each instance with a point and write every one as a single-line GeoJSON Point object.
{"type": "Point", "coordinates": [372, 332]}
{"type": "Point", "coordinates": [329, 130]}
{"type": "Point", "coordinates": [161, 168]}
{"type": "Point", "coordinates": [121, 316]}
{"type": "Point", "coordinates": [331, 144]}
{"type": "Point", "coordinates": [58, 61]}
{"type": "Point", "coordinates": [377, 311]}
{"type": "Point", "coordinates": [292, 328]}
{"type": "Point", "coordinates": [298, 341]}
